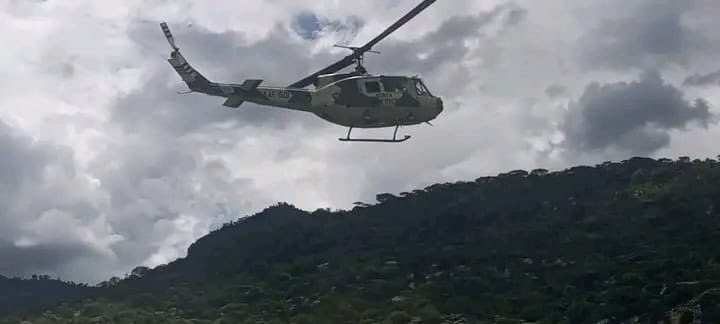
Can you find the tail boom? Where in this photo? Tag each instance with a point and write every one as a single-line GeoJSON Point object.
{"type": "Point", "coordinates": [235, 94]}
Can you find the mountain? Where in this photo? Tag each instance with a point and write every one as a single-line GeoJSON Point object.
{"type": "Point", "coordinates": [632, 241]}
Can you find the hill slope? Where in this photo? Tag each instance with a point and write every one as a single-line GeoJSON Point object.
{"type": "Point", "coordinates": [614, 241]}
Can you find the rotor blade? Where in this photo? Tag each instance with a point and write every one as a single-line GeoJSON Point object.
{"type": "Point", "coordinates": [410, 15]}
{"type": "Point", "coordinates": [349, 60]}
{"type": "Point", "coordinates": [337, 66]}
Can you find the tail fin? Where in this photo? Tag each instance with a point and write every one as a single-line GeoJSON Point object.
{"type": "Point", "coordinates": [235, 93]}
{"type": "Point", "coordinates": [193, 78]}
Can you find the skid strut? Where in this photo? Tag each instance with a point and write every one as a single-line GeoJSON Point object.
{"type": "Point", "coordinates": [382, 140]}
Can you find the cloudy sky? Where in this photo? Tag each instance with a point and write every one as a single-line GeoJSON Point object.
{"type": "Point", "coordinates": [105, 167]}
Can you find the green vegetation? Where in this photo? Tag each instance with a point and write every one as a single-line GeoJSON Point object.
{"type": "Point", "coordinates": [37, 292]}
{"type": "Point", "coordinates": [617, 241]}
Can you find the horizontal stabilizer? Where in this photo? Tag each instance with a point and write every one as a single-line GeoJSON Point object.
{"type": "Point", "coordinates": [233, 101]}
{"type": "Point", "coordinates": [250, 84]}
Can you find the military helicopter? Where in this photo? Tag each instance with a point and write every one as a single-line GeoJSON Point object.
{"type": "Point", "coordinates": [354, 99]}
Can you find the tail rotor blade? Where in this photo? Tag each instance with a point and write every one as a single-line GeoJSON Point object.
{"type": "Point", "coordinates": [168, 35]}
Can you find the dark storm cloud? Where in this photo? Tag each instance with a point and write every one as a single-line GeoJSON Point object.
{"type": "Point", "coordinates": [652, 35]}
{"type": "Point", "coordinates": [19, 162]}
{"type": "Point", "coordinates": [39, 259]}
{"type": "Point", "coordinates": [630, 116]}
{"type": "Point", "coordinates": [26, 194]}
{"type": "Point", "coordinates": [156, 183]}
{"type": "Point", "coordinates": [555, 90]}
{"type": "Point", "coordinates": [697, 80]}
{"type": "Point", "coordinates": [446, 45]}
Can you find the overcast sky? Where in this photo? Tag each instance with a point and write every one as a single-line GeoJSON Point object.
{"type": "Point", "coordinates": [105, 167]}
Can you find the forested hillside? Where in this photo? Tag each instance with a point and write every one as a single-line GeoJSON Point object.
{"type": "Point", "coordinates": [37, 293]}
{"type": "Point", "coordinates": [633, 240]}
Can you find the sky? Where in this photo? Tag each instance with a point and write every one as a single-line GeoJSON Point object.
{"type": "Point", "coordinates": [104, 166]}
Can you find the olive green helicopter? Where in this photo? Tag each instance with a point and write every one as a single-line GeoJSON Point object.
{"type": "Point", "coordinates": [355, 99]}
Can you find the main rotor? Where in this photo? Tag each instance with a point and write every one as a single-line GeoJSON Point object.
{"type": "Point", "coordinates": [357, 54]}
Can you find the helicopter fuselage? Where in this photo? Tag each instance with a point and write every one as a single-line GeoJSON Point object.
{"type": "Point", "coordinates": [356, 101]}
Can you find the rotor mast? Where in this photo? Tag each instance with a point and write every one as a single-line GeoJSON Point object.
{"type": "Point", "coordinates": [358, 57]}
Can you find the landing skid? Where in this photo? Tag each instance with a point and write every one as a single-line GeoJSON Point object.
{"type": "Point", "coordinates": [381, 140]}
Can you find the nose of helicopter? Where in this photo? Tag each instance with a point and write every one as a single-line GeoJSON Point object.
{"type": "Point", "coordinates": [439, 105]}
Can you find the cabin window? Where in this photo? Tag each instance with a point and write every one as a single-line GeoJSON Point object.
{"type": "Point", "coordinates": [393, 84]}
{"type": "Point", "coordinates": [372, 86]}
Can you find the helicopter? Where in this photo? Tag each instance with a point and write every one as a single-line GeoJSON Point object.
{"type": "Point", "coordinates": [355, 99]}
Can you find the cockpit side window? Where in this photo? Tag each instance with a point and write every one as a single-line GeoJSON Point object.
{"type": "Point", "coordinates": [372, 86]}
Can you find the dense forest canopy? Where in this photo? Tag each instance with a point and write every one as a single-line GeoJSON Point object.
{"type": "Point", "coordinates": [633, 240]}
{"type": "Point", "coordinates": [37, 292]}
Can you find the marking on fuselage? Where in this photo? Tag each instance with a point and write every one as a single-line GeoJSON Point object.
{"type": "Point", "coordinates": [275, 93]}
{"type": "Point", "coordinates": [387, 98]}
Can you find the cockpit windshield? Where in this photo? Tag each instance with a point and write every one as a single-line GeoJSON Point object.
{"type": "Point", "coordinates": [420, 88]}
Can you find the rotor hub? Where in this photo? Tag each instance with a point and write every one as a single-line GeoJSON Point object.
{"type": "Point", "coordinates": [358, 55]}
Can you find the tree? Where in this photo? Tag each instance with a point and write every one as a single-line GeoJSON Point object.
{"type": "Point", "coordinates": [539, 172]}
{"type": "Point", "coordinates": [398, 317]}
{"type": "Point", "coordinates": [139, 272]}
{"type": "Point", "coordinates": [385, 197]}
